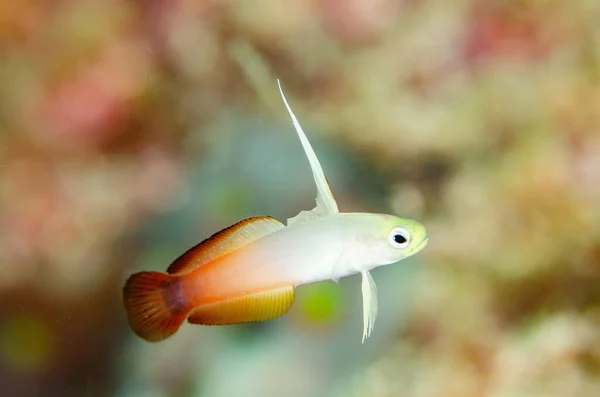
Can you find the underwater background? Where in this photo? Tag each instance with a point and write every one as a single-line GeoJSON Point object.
{"type": "Point", "coordinates": [131, 130]}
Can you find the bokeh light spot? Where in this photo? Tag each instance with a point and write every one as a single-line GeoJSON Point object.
{"type": "Point", "coordinates": [320, 303]}
{"type": "Point", "coordinates": [25, 343]}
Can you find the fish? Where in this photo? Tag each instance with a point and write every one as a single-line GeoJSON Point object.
{"type": "Point", "coordinates": [248, 272]}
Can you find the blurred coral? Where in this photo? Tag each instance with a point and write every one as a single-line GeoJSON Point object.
{"type": "Point", "coordinates": [479, 118]}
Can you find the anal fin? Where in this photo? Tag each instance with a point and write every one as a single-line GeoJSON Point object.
{"type": "Point", "coordinates": [260, 306]}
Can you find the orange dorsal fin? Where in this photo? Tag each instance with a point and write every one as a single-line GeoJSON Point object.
{"type": "Point", "coordinates": [259, 306]}
{"type": "Point", "coordinates": [225, 241]}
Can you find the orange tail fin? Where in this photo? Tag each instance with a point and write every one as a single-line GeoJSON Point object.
{"type": "Point", "coordinates": [153, 304]}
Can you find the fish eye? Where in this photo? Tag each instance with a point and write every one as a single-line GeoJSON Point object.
{"type": "Point", "coordinates": [399, 238]}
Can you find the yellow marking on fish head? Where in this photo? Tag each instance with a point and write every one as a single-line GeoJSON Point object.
{"type": "Point", "coordinates": [390, 239]}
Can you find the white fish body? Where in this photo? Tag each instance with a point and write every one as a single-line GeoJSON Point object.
{"type": "Point", "coordinates": [337, 244]}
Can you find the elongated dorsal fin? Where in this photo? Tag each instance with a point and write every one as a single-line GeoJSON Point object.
{"type": "Point", "coordinates": [260, 306]}
{"type": "Point", "coordinates": [326, 204]}
{"type": "Point", "coordinates": [225, 241]}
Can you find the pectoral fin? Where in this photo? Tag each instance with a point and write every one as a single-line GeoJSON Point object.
{"type": "Point", "coordinates": [260, 306]}
{"type": "Point", "coordinates": [369, 294]}
{"type": "Point", "coordinates": [326, 204]}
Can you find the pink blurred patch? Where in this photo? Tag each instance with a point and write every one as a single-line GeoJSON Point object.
{"type": "Point", "coordinates": [358, 22]}
{"type": "Point", "coordinates": [497, 33]}
{"type": "Point", "coordinates": [158, 181]}
{"type": "Point", "coordinates": [88, 108]}
{"type": "Point", "coordinates": [585, 152]}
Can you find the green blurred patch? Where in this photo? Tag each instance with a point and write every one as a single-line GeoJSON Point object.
{"type": "Point", "coordinates": [25, 343]}
{"type": "Point", "coordinates": [320, 302]}
{"type": "Point", "coordinates": [233, 198]}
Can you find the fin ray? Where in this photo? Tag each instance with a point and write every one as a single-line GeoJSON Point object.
{"type": "Point", "coordinates": [225, 241]}
{"type": "Point", "coordinates": [153, 312]}
{"type": "Point", "coordinates": [370, 304]}
{"type": "Point", "coordinates": [260, 306]}
{"type": "Point", "coordinates": [326, 204]}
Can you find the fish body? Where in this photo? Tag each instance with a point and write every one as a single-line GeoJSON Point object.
{"type": "Point", "coordinates": [325, 249]}
{"type": "Point", "coordinates": [248, 272]}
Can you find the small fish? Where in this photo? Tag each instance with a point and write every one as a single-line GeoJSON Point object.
{"type": "Point", "coordinates": [248, 271]}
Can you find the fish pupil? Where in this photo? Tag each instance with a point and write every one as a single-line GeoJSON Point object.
{"type": "Point", "coordinates": [400, 239]}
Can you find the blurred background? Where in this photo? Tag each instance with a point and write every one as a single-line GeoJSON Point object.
{"type": "Point", "coordinates": [131, 130]}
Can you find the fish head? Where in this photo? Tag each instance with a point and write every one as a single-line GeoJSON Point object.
{"type": "Point", "coordinates": [387, 239]}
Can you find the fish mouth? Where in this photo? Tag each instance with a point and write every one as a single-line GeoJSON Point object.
{"type": "Point", "coordinates": [422, 244]}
